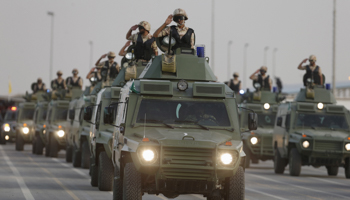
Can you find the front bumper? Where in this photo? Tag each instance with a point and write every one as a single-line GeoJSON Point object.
{"type": "Point", "coordinates": [264, 147]}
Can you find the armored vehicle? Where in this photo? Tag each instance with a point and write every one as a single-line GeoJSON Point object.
{"type": "Point", "coordinates": [40, 127]}
{"type": "Point", "coordinates": [257, 145]}
{"type": "Point", "coordinates": [314, 131]}
{"type": "Point", "coordinates": [177, 132]}
{"type": "Point", "coordinates": [8, 128]}
{"type": "Point", "coordinates": [70, 127]}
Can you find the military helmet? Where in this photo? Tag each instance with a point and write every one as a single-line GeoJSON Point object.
{"type": "Point", "coordinates": [39, 79]}
{"type": "Point", "coordinates": [111, 54]}
{"type": "Point", "coordinates": [75, 69]}
{"type": "Point", "coordinates": [313, 57]}
{"type": "Point", "coordinates": [145, 25]}
{"type": "Point", "coordinates": [180, 11]}
{"type": "Point", "coordinates": [59, 72]}
{"type": "Point", "coordinates": [236, 74]}
{"type": "Point", "coordinates": [263, 68]}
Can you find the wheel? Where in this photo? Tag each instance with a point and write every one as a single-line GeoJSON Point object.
{"type": "Point", "coordinates": [19, 142]}
{"type": "Point", "coordinates": [347, 167]}
{"type": "Point", "coordinates": [85, 155]}
{"type": "Point", "coordinates": [235, 186]}
{"type": "Point", "coordinates": [214, 198]}
{"type": "Point", "coordinates": [53, 147]}
{"type": "Point", "coordinates": [255, 161]}
{"type": "Point", "coordinates": [94, 175]}
{"type": "Point", "coordinates": [76, 157]}
{"type": "Point", "coordinates": [39, 145]}
{"type": "Point", "coordinates": [2, 138]}
{"type": "Point", "coordinates": [247, 156]}
{"type": "Point", "coordinates": [117, 185]}
{"type": "Point", "coordinates": [69, 152]}
{"type": "Point", "coordinates": [105, 172]}
{"type": "Point", "coordinates": [332, 170]}
{"type": "Point", "coordinates": [33, 146]}
{"type": "Point", "coordinates": [131, 183]}
{"type": "Point", "coordinates": [279, 163]}
{"type": "Point", "coordinates": [294, 162]}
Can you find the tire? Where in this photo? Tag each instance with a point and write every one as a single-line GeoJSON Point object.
{"type": "Point", "coordinates": [131, 183]}
{"type": "Point", "coordinates": [105, 172]}
{"type": "Point", "coordinates": [235, 186]}
{"type": "Point", "coordinates": [332, 170]}
{"type": "Point", "coordinates": [94, 175]}
{"type": "Point", "coordinates": [76, 157]}
{"type": "Point", "coordinates": [85, 155]}
{"type": "Point", "coordinates": [2, 138]}
{"type": "Point", "coordinates": [279, 163]}
{"type": "Point", "coordinates": [347, 167]}
{"type": "Point", "coordinates": [247, 156]}
{"type": "Point", "coordinates": [39, 145]}
{"type": "Point", "coordinates": [294, 162]}
{"type": "Point", "coordinates": [117, 185]}
{"type": "Point", "coordinates": [19, 142]}
{"type": "Point", "coordinates": [69, 154]}
{"type": "Point", "coordinates": [53, 147]}
{"type": "Point", "coordinates": [33, 146]}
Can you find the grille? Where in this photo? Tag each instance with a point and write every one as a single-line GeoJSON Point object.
{"type": "Point", "coordinates": [211, 90]}
{"type": "Point", "coordinates": [154, 87]}
{"type": "Point", "coordinates": [306, 107]}
{"type": "Point", "coordinates": [335, 109]}
{"type": "Point", "coordinates": [328, 146]}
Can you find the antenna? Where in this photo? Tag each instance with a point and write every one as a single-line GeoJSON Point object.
{"type": "Point", "coordinates": [144, 128]}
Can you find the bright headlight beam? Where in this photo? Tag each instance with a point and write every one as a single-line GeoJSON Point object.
{"type": "Point", "coordinates": [320, 106]}
{"type": "Point", "coordinates": [226, 158]}
{"type": "Point", "coordinates": [254, 140]}
{"type": "Point", "coordinates": [267, 106]}
{"type": "Point", "coordinates": [60, 133]}
{"type": "Point", "coordinates": [347, 146]}
{"type": "Point", "coordinates": [7, 137]}
{"type": "Point", "coordinates": [7, 127]}
{"type": "Point", "coordinates": [25, 130]}
{"type": "Point", "coordinates": [306, 144]}
{"type": "Point", "coordinates": [148, 155]}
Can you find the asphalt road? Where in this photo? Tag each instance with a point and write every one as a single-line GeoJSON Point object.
{"type": "Point", "coordinates": [28, 177]}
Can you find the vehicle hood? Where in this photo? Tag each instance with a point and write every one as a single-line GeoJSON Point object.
{"type": "Point", "coordinates": [325, 133]}
{"type": "Point", "coordinates": [263, 131]}
{"type": "Point", "coordinates": [28, 122]}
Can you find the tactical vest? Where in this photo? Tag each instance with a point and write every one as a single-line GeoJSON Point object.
{"type": "Point", "coordinates": [72, 83]}
{"type": "Point", "coordinates": [59, 85]}
{"type": "Point", "coordinates": [143, 50]}
{"type": "Point", "coordinates": [36, 88]}
{"type": "Point", "coordinates": [112, 71]}
{"type": "Point", "coordinates": [314, 75]}
{"type": "Point", "coordinates": [235, 87]}
{"type": "Point", "coordinates": [265, 83]}
{"type": "Point", "coordinates": [185, 41]}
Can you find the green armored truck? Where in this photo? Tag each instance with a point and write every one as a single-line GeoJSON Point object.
{"type": "Point", "coordinates": [40, 127]}
{"type": "Point", "coordinates": [257, 145]}
{"type": "Point", "coordinates": [314, 131]}
{"type": "Point", "coordinates": [8, 128]}
{"type": "Point", "coordinates": [177, 132]}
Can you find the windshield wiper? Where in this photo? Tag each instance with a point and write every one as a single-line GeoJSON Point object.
{"type": "Point", "coordinates": [154, 120]}
{"type": "Point", "coordinates": [204, 127]}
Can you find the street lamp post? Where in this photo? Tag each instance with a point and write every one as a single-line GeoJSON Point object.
{"type": "Point", "coordinates": [50, 13]}
{"type": "Point", "coordinates": [265, 54]}
{"type": "Point", "coordinates": [245, 65]}
{"type": "Point", "coordinates": [91, 51]}
{"type": "Point", "coordinates": [274, 63]}
{"type": "Point", "coordinates": [333, 69]}
{"type": "Point", "coordinates": [228, 59]}
{"type": "Point", "coordinates": [212, 35]}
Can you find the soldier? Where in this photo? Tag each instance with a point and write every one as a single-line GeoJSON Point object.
{"type": "Point", "coordinates": [183, 35]}
{"type": "Point", "coordinates": [122, 51]}
{"type": "Point", "coordinates": [58, 83]}
{"type": "Point", "coordinates": [235, 83]}
{"type": "Point", "coordinates": [38, 86]}
{"type": "Point", "coordinates": [313, 71]}
{"type": "Point", "coordinates": [145, 43]}
{"type": "Point", "coordinates": [109, 68]}
{"type": "Point", "coordinates": [262, 78]}
{"type": "Point", "coordinates": [75, 81]}
{"type": "Point", "coordinates": [93, 74]}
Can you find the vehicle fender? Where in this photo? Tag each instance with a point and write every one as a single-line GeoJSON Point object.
{"type": "Point", "coordinates": [105, 138]}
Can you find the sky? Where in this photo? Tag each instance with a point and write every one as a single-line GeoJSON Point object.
{"type": "Point", "coordinates": [295, 28]}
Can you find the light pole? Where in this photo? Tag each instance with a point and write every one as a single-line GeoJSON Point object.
{"type": "Point", "coordinates": [245, 65]}
{"type": "Point", "coordinates": [228, 59]}
{"type": "Point", "coordinates": [91, 50]}
{"type": "Point", "coordinates": [333, 70]}
{"type": "Point", "coordinates": [212, 35]}
{"type": "Point", "coordinates": [50, 13]}
{"type": "Point", "coordinates": [274, 63]}
{"type": "Point", "coordinates": [265, 54]}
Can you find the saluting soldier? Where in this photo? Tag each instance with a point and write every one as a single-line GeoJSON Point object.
{"type": "Point", "coordinates": [109, 68]}
{"type": "Point", "coordinates": [58, 83]}
{"type": "Point", "coordinates": [261, 77]}
{"type": "Point", "coordinates": [313, 71]}
{"type": "Point", "coordinates": [235, 83]}
{"type": "Point", "coordinates": [75, 80]}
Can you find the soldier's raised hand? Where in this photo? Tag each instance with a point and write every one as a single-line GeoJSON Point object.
{"type": "Point", "coordinates": [134, 27]}
{"type": "Point", "coordinates": [304, 61]}
{"type": "Point", "coordinates": [104, 55]}
{"type": "Point", "coordinates": [169, 19]}
{"type": "Point", "coordinates": [127, 43]}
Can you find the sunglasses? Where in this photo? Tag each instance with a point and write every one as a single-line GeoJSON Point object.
{"type": "Point", "coordinates": [235, 76]}
{"type": "Point", "coordinates": [141, 27]}
{"type": "Point", "coordinates": [262, 71]}
{"type": "Point", "coordinates": [311, 61]}
{"type": "Point", "coordinates": [109, 57]}
{"type": "Point", "coordinates": [178, 18]}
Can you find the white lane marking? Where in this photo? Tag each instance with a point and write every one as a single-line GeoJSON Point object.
{"type": "Point", "coordinates": [197, 196]}
{"type": "Point", "coordinates": [328, 181]}
{"type": "Point", "coordinates": [266, 194]}
{"type": "Point", "coordinates": [26, 192]}
{"type": "Point", "coordinates": [301, 187]}
{"type": "Point", "coordinates": [74, 169]}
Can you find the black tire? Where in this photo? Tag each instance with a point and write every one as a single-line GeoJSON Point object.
{"type": "Point", "coordinates": [117, 185]}
{"type": "Point", "coordinates": [235, 186]}
{"type": "Point", "coordinates": [332, 170]}
{"type": "Point", "coordinates": [76, 157]}
{"type": "Point", "coordinates": [85, 155]}
{"type": "Point", "coordinates": [2, 138]}
{"type": "Point", "coordinates": [255, 161]}
{"type": "Point", "coordinates": [347, 167]}
{"type": "Point", "coordinates": [131, 183]}
{"type": "Point", "coordinates": [39, 145]}
{"type": "Point", "coordinates": [19, 142]}
{"type": "Point", "coordinates": [47, 148]}
{"type": "Point", "coordinates": [105, 172]}
{"type": "Point", "coordinates": [53, 147]}
{"type": "Point", "coordinates": [279, 163]}
{"type": "Point", "coordinates": [247, 156]}
{"type": "Point", "coordinates": [94, 175]}
{"type": "Point", "coordinates": [33, 145]}
{"type": "Point", "coordinates": [69, 154]}
{"type": "Point", "coordinates": [294, 162]}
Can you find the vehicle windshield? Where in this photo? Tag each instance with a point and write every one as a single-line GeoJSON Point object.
{"type": "Point", "coordinates": [321, 121]}
{"type": "Point", "coordinates": [27, 114]}
{"type": "Point", "coordinates": [61, 114]}
{"type": "Point", "coordinates": [183, 112]}
{"type": "Point", "coordinates": [11, 115]}
{"type": "Point", "coordinates": [266, 120]}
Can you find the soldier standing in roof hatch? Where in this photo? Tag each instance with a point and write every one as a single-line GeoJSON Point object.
{"type": "Point", "coordinates": [75, 81]}
{"type": "Point", "coordinates": [262, 78]}
{"type": "Point", "coordinates": [110, 68]}
{"type": "Point", "coordinates": [38, 86]}
{"type": "Point", "coordinates": [235, 83]}
{"type": "Point", "coordinates": [58, 83]}
{"type": "Point", "coordinates": [313, 71]}
{"type": "Point", "coordinates": [183, 35]}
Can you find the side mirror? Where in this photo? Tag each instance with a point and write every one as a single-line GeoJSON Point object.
{"type": "Point", "coordinates": [108, 116]}
{"type": "Point", "coordinates": [71, 114]}
{"type": "Point", "coordinates": [252, 121]}
{"type": "Point", "coordinates": [87, 113]}
{"type": "Point", "coordinates": [279, 121]}
{"type": "Point", "coordinates": [122, 128]}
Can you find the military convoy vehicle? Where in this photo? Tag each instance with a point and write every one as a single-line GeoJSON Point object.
{"type": "Point", "coordinates": [314, 131]}
{"type": "Point", "coordinates": [177, 132]}
{"type": "Point", "coordinates": [39, 127]}
{"type": "Point", "coordinates": [70, 127]}
{"type": "Point", "coordinates": [8, 128]}
{"type": "Point", "coordinates": [257, 145]}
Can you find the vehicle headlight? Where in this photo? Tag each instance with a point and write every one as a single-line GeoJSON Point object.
{"type": "Point", "coordinates": [347, 146]}
{"type": "Point", "coordinates": [25, 130]}
{"type": "Point", "coordinates": [7, 137]}
{"type": "Point", "coordinates": [320, 106]}
{"type": "Point", "coordinates": [254, 140]}
{"type": "Point", "coordinates": [7, 127]}
{"type": "Point", "coordinates": [306, 144]}
{"type": "Point", "coordinates": [60, 133]}
{"type": "Point", "coordinates": [267, 106]}
{"type": "Point", "coordinates": [44, 131]}
{"type": "Point", "coordinates": [148, 155]}
{"type": "Point", "coordinates": [226, 158]}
